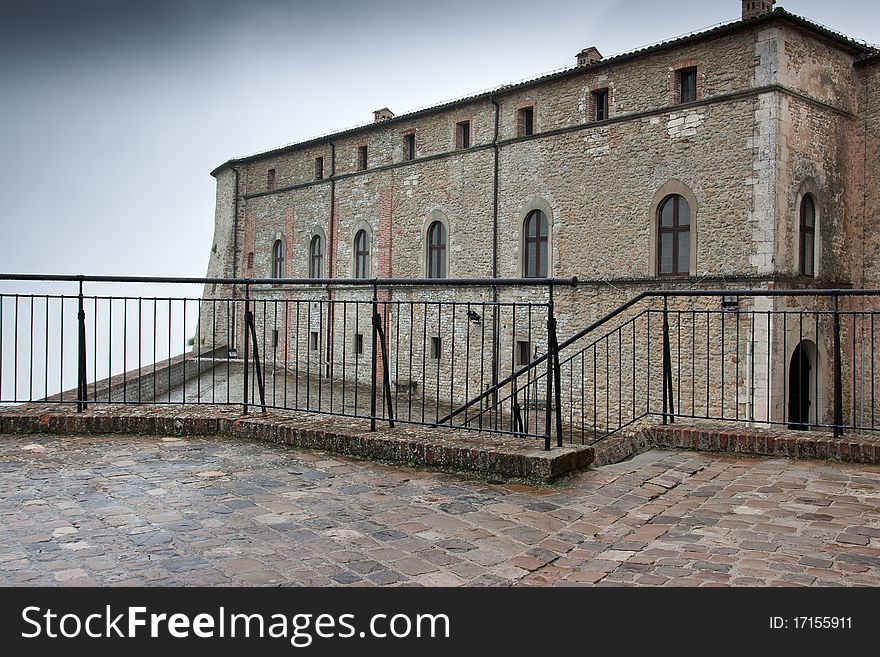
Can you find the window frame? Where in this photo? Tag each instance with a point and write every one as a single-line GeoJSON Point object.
{"type": "Point", "coordinates": [278, 256]}
{"type": "Point", "coordinates": [676, 230]}
{"type": "Point", "coordinates": [409, 146]}
{"type": "Point", "coordinates": [804, 231]}
{"type": "Point", "coordinates": [680, 74]}
{"type": "Point", "coordinates": [525, 121]}
{"type": "Point", "coordinates": [319, 168]}
{"type": "Point", "coordinates": [520, 347]}
{"type": "Point", "coordinates": [361, 263]}
{"type": "Point", "coordinates": [538, 240]}
{"type": "Point", "coordinates": [597, 95]}
{"type": "Point", "coordinates": [463, 131]}
{"type": "Point", "coordinates": [437, 249]}
{"type": "Point", "coordinates": [316, 271]}
{"type": "Point", "coordinates": [362, 154]}
{"type": "Point", "coordinates": [270, 179]}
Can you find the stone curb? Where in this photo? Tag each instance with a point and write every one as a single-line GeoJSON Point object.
{"type": "Point", "coordinates": [447, 454]}
{"type": "Point", "coordinates": [768, 442]}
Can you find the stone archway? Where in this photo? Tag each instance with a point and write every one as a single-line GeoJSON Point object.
{"type": "Point", "coordinates": [801, 378]}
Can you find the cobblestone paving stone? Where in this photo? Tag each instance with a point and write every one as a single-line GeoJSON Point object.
{"type": "Point", "coordinates": [144, 511]}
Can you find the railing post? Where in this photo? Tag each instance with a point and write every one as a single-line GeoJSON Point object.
{"type": "Point", "coordinates": [246, 364]}
{"type": "Point", "coordinates": [557, 372]}
{"type": "Point", "coordinates": [82, 386]}
{"type": "Point", "coordinates": [668, 402]}
{"type": "Point", "coordinates": [374, 366]}
{"type": "Point", "coordinates": [258, 369]}
{"type": "Point", "coordinates": [548, 403]}
{"type": "Point", "coordinates": [386, 380]}
{"type": "Point", "coordinates": [838, 380]}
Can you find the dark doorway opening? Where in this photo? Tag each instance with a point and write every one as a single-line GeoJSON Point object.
{"type": "Point", "coordinates": [799, 390]}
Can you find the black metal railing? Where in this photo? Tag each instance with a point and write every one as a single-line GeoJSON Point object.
{"type": "Point", "coordinates": [474, 354]}
{"type": "Point", "coordinates": [799, 359]}
{"type": "Point", "coordinates": [389, 350]}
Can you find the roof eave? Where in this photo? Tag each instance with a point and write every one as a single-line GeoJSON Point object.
{"type": "Point", "coordinates": [713, 33]}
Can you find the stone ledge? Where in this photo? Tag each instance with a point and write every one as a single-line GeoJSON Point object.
{"type": "Point", "coordinates": [443, 449]}
{"type": "Point", "coordinates": [755, 441]}
{"type": "Point", "coordinates": [771, 442]}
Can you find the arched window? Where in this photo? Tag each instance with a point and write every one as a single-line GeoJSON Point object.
{"type": "Point", "coordinates": [436, 250]}
{"type": "Point", "coordinates": [278, 259]}
{"type": "Point", "coordinates": [674, 236]}
{"type": "Point", "coordinates": [535, 245]}
{"type": "Point", "coordinates": [808, 236]}
{"type": "Point", "coordinates": [316, 257]}
{"type": "Point", "coordinates": [361, 255]}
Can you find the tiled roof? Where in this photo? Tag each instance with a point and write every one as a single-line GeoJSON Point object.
{"type": "Point", "coordinates": [869, 53]}
{"type": "Point", "coordinates": [873, 58]}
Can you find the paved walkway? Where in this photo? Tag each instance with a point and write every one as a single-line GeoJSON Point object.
{"type": "Point", "coordinates": [162, 511]}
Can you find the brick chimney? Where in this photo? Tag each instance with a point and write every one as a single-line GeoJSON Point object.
{"type": "Point", "coordinates": [589, 56]}
{"type": "Point", "coordinates": [755, 8]}
{"type": "Point", "coordinates": [382, 115]}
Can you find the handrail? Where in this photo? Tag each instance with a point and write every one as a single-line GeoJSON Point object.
{"type": "Point", "coordinates": [534, 364]}
{"type": "Point", "coordinates": [787, 292]}
{"type": "Point", "coordinates": [356, 282]}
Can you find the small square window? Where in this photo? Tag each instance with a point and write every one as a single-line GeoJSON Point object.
{"type": "Point", "coordinates": [436, 348]}
{"type": "Point", "coordinates": [600, 103]}
{"type": "Point", "coordinates": [463, 134]}
{"type": "Point", "coordinates": [525, 123]}
{"type": "Point", "coordinates": [687, 85]}
{"type": "Point", "coordinates": [362, 158]}
{"type": "Point", "coordinates": [319, 168]}
{"type": "Point", "coordinates": [313, 340]}
{"type": "Point", "coordinates": [523, 353]}
{"type": "Point", "coordinates": [359, 343]}
{"type": "Point", "coordinates": [270, 179]}
{"type": "Point", "coordinates": [409, 147]}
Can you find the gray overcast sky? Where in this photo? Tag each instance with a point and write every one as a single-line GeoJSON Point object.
{"type": "Point", "coordinates": [114, 113]}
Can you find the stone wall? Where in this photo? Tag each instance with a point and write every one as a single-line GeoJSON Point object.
{"type": "Point", "coordinates": [780, 112]}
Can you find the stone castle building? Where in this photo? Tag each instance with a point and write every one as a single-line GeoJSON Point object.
{"type": "Point", "coordinates": [744, 156]}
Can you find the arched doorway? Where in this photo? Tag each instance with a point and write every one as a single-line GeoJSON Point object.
{"type": "Point", "coordinates": [799, 401]}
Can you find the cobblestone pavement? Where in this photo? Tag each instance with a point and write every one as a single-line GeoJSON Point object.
{"type": "Point", "coordinates": [167, 511]}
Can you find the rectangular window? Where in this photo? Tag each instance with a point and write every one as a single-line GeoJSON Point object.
{"type": "Point", "coordinates": [275, 338]}
{"type": "Point", "coordinates": [319, 168]}
{"type": "Point", "coordinates": [362, 158]}
{"type": "Point", "coordinates": [313, 340]}
{"type": "Point", "coordinates": [250, 260]}
{"type": "Point", "coordinates": [463, 134]}
{"type": "Point", "coordinates": [525, 122]}
{"type": "Point", "coordinates": [359, 343]}
{"type": "Point", "coordinates": [523, 353]}
{"type": "Point", "coordinates": [436, 348]}
{"type": "Point", "coordinates": [270, 179]}
{"type": "Point", "coordinates": [600, 102]}
{"type": "Point", "coordinates": [687, 84]}
{"type": "Point", "coordinates": [409, 147]}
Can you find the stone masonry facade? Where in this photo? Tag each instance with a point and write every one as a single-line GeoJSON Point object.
{"type": "Point", "coordinates": [782, 109]}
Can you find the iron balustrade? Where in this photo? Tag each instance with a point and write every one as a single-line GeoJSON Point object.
{"type": "Point", "coordinates": [384, 350]}
{"type": "Point", "coordinates": [471, 354]}
{"type": "Point", "coordinates": [797, 359]}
